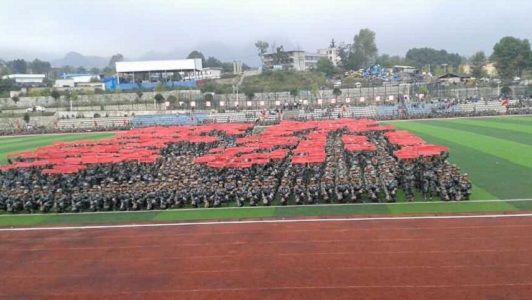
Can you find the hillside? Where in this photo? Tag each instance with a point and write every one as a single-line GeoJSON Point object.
{"type": "Point", "coordinates": [282, 81]}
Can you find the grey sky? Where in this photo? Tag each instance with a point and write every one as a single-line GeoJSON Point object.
{"type": "Point", "coordinates": [104, 27]}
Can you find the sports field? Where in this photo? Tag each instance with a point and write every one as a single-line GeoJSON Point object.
{"type": "Point", "coordinates": [495, 152]}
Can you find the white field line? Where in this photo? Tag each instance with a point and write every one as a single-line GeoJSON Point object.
{"type": "Point", "coordinates": [276, 221]}
{"type": "Point", "coordinates": [264, 207]}
{"type": "Point", "coordinates": [454, 118]}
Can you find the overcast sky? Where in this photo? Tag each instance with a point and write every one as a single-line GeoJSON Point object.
{"type": "Point", "coordinates": [134, 27]}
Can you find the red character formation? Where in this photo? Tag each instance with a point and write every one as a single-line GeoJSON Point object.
{"type": "Point", "coordinates": [343, 160]}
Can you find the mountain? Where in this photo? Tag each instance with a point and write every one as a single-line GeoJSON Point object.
{"type": "Point", "coordinates": [76, 59]}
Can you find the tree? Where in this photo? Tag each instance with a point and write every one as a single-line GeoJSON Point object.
{"type": "Point", "coordinates": [56, 95]}
{"type": "Point", "coordinates": [26, 118]}
{"type": "Point", "coordinates": [280, 57]}
{"type": "Point", "coordinates": [249, 94]}
{"type": "Point", "coordinates": [512, 56]}
{"type": "Point", "coordinates": [114, 59]}
{"type": "Point", "coordinates": [478, 60]}
{"type": "Point", "coordinates": [173, 100]}
{"type": "Point", "coordinates": [208, 97]}
{"type": "Point", "coordinates": [196, 54]}
{"type": "Point", "coordinates": [139, 97]}
{"type": "Point", "coordinates": [337, 92]}
{"type": "Point", "coordinates": [325, 65]}
{"type": "Point", "coordinates": [294, 93]}
{"type": "Point", "coordinates": [314, 91]}
{"type": "Point", "coordinates": [506, 91]}
{"type": "Point", "coordinates": [427, 56]}
{"type": "Point", "coordinates": [365, 48]}
{"type": "Point", "coordinates": [213, 62]}
{"type": "Point", "coordinates": [7, 85]}
{"type": "Point", "coordinates": [160, 88]}
{"type": "Point", "coordinates": [81, 70]}
{"type": "Point", "coordinates": [40, 67]}
{"type": "Point", "coordinates": [95, 71]}
{"type": "Point", "coordinates": [19, 66]}
{"type": "Point", "coordinates": [262, 46]}
{"type": "Point", "coordinates": [159, 98]}
{"type": "Point", "coordinates": [35, 93]}
{"type": "Point", "coordinates": [15, 99]}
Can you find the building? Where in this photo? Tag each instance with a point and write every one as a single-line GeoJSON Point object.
{"type": "Point", "coordinates": [333, 54]}
{"type": "Point", "coordinates": [311, 60]}
{"type": "Point", "coordinates": [237, 67]}
{"type": "Point", "coordinates": [26, 79]}
{"type": "Point", "coordinates": [296, 61]}
{"type": "Point", "coordinates": [75, 80]}
{"type": "Point", "coordinates": [158, 70]}
{"type": "Point", "coordinates": [211, 73]}
{"type": "Point", "coordinates": [453, 78]}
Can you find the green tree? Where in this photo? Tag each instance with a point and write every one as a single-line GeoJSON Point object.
{"type": "Point", "coordinates": [55, 95]}
{"type": "Point", "coordinates": [159, 98]}
{"type": "Point", "coordinates": [34, 93]}
{"type": "Point", "coordinates": [314, 91]}
{"type": "Point", "coordinates": [213, 62]}
{"type": "Point", "coordinates": [337, 92]}
{"type": "Point", "coordinates": [40, 67]}
{"type": "Point", "coordinates": [365, 48]}
{"type": "Point", "coordinates": [15, 99]}
{"type": "Point", "coordinates": [420, 57]}
{"type": "Point", "coordinates": [280, 56]}
{"type": "Point", "coordinates": [294, 93]}
{"type": "Point", "coordinates": [478, 60]}
{"type": "Point", "coordinates": [196, 54]}
{"type": "Point", "coordinates": [250, 95]}
{"type": "Point", "coordinates": [7, 85]}
{"type": "Point", "coordinates": [114, 59]}
{"type": "Point", "coordinates": [160, 88]}
{"type": "Point", "coordinates": [26, 118]}
{"type": "Point", "coordinates": [325, 66]}
{"type": "Point", "coordinates": [506, 91]}
{"type": "Point", "coordinates": [81, 70]}
{"type": "Point", "coordinates": [423, 90]}
{"type": "Point", "coordinates": [19, 66]}
{"type": "Point", "coordinates": [173, 100]}
{"type": "Point", "coordinates": [139, 97]}
{"type": "Point", "coordinates": [512, 56]}
{"type": "Point", "coordinates": [95, 71]}
{"type": "Point", "coordinates": [208, 97]}
{"type": "Point", "coordinates": [262, 47]}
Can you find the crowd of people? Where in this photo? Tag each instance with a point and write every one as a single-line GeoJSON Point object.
{"type": "Point", "coordinates": [176, 181]}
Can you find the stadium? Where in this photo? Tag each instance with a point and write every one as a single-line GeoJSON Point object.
{"type": "Point", "coordinates": [220, 150]}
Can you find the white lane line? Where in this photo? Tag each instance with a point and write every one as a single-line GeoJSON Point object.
{"type": "Point", "coordinates": [261, 270]}
{"type": "Point", "coordinates": [274, 221]}
{"type": "Point", "coordinates": [288, 288]}
{"type": "Point", "coordinates": [435, 202]}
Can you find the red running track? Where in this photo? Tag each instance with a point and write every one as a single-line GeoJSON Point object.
{"type": "Point", "coordinates": [489, 258]}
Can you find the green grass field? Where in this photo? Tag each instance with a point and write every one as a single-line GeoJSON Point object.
{"type": "Point", "coordinates": [495, 152]}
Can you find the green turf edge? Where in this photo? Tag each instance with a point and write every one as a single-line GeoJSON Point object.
{"type": "Point", "coordinates": [268, 212]}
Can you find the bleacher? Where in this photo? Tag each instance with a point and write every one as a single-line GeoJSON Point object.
{"type": "Point", "coordinates": [385, 110]}
{"type": "Point", "coordinates": [483, 106]}
{"type": "Point", "coordinates": [168, 120]}
{"type": "Point", "coordinates": [87, 123]}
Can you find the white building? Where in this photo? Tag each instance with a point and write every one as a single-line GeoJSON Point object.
{"type": "Point", "coordinates": [26, 79]}
{"type": "Point", "coordinates": [211, 73]}
{"type": "Point", "coordinates": [311, 60]}
{"type": "Point", "coordinates": [333, 54]}
{"type": "Point", "coordinates": [189, 69]}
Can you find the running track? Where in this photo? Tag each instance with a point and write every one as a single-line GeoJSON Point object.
{"type": "Point", "coordinates": [479, 258]}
